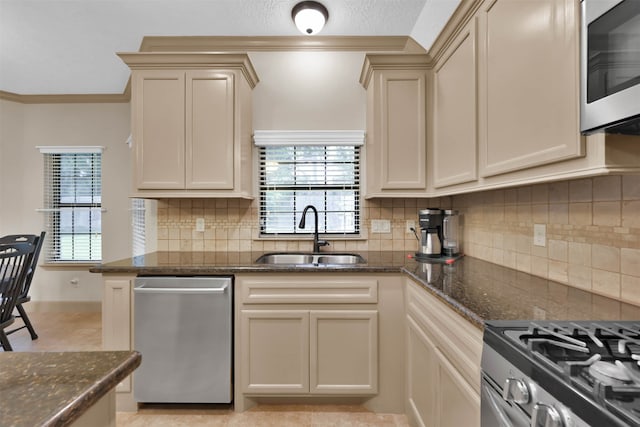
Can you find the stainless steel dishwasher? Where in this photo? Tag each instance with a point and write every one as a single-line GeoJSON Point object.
{"type": "Point", "coordinates": [183, 329]}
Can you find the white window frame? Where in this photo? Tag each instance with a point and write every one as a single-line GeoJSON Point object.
{"type": "Point", "coordinates": [51, 249]}
{"type": "Point", "coordinates": [264, 139]}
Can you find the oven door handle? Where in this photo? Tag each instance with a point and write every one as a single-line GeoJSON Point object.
{"type": "Point", "coordinates": [495, 405]}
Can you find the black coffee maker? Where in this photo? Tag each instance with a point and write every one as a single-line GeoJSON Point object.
{"type": "Point", "coordinates": [430, 241]}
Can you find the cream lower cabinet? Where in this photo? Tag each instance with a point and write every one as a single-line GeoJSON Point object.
{"type": "Point", "coordinates": [443, 363]}
{"type": "Point", "coordinates": [309, 351]}
{"type": "Point", "coordinates": [117, 328]}
{"type": "Point", "coordinates": [307, 334]}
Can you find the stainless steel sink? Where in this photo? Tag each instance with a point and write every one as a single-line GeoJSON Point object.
{"type": "Point", "coordinates": [292, 258]}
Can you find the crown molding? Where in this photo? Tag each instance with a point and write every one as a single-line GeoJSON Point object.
{"type": "Point", "coordinates": [392, 62]}
{"type": "Point", "coordinates": [280, 43]}
{"type": "Point", "coordinates": [191, 60]}
{"type": "Point", "coordinates": [101, 98]}
{"type": "Point", "coordinates": [228, 44]}
{"type": "Point", "coordinates": [465, 11]}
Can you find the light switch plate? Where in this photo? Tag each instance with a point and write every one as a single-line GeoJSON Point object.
{"type": "Point", "coordinates": [199, 224]}
{"type": "Point", "coordinates": [539, 235]}
{"type": "Point", "coordinates": [380, 226]}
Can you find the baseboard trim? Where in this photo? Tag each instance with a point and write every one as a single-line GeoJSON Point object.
{"type": "Point", "coordinates": [64, 306]}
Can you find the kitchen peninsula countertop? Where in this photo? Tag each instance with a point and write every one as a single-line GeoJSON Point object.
{"type": "Point", "coordinates": [56, 388]}
{"type": "Point", "coordinates": [478, 290]}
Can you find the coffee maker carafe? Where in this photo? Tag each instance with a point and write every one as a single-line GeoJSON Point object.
{"type": "Point", "coordinates": [451, 233]}
{"type": "Point", "coordinates": [430, 245]}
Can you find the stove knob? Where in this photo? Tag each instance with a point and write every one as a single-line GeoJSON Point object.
{"type": "Point", "coordinates": [515, 390]}
{"type": "Point", "coordinates": [544, 415]}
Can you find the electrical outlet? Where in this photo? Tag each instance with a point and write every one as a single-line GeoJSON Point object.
{"type": "Point", "coordinates": [539, 235]}
{"type": "Point", "coordinates": [380, 226]}
{"type": "Point", "coordinates": [199, 224]}
{"type": "Point", "coordinates": [539, 313]}
{"type": "Point", "coordinates": [410, 224]}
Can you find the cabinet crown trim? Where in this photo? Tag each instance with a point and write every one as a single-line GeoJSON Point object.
{"type": "Point", "coordinates": [181, 60]}
{"type": "Point", "coordinates": [396, 61]}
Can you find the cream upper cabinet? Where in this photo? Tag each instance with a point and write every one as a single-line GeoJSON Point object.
{"type": "Point", "coordinates": [210, 134]}
{"type": "Point", "coordinates": [443, 354]}
{"type": "Point", "coordinates": [396, 159]}
{"type": "Point", "coordinates": [454, 152]}
{"type": "Point", "coordinates": [191, 124]}
{"type": "Point", "coordinates": [158, 126]}
{"type": "Point", "coordinates": [528, 83]}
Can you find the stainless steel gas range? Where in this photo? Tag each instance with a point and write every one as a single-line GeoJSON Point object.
{"type": "Point", "coordinates": [561, 374]}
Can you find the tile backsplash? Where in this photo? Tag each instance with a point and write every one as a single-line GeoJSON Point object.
{"type": "Point", "coordinates": [592, 230]}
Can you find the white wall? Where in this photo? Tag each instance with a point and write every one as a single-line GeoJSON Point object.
{"type": "Point", "coordinates": [25, 126]}
{"type": "Point", "coordinates": [308, 91]}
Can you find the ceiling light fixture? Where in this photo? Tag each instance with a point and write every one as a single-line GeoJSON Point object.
{"type": "Point", "coordinates": [309, 16]}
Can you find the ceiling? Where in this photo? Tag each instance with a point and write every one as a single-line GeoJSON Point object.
{"type": "Point", "coordinates": [68, 46]}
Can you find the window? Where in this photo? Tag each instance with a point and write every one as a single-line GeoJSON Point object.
{"type": "Point", "coordinates": [138, 227]}
{"type": "Point", "coordinates": [309, 168]}
{"type": "Point", "coordinates": [73, 203]}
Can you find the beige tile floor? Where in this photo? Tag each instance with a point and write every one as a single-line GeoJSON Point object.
{"type": "Point", "coordinates": [82, 332]}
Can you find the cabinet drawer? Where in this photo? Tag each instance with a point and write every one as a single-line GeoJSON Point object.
{"type": "Point", "coordinates": [308, 290]}
{"type": "Point", "coordinates": [458, 340]}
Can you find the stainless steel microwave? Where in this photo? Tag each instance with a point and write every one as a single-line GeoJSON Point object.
{"type": "Point", "coordinates": [610, 66]}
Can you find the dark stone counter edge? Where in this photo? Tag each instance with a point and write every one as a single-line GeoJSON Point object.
{"type": "Point", "coordinates": [464, 311]}
{"type": "Point", "coordinates": [95, 392]}
{"type": "Point", "coordinates": [165, 270]}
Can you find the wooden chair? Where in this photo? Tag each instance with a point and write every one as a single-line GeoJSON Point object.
{"type": "Point", "coordinates": [14, 264]}
{"type": "Point", "coordinates": [36, 241]}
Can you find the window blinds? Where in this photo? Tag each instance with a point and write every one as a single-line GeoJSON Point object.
{"type": "Point", "coordinates": [73, 204]}
{"type": "Point", "coordinates": [138, 227]}
{"type": "Point", "coordinates": [292, 177]}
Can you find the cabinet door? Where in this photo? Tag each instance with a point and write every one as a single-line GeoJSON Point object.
{"type": "Point", "coordinates": [458, 404]}
{"type": "Point", "coordinates": [275, 351]}
{"type": "Point", "coordinates": [454, 112]}
{"type": "Point", "coordinates": [116, 320]}
{"type": "Point", "coordinates": [210, 133]}
{"type": "Point", "coordinates": [344, 352]}
{"type": "Point", "coordinates": [158, 129]}
{"type": "Point", "coordinates": [528, 81]}
{"type": "Point", "coordinates": [401, 155]}
{"type": "Point", "coordinates": [421, 387]}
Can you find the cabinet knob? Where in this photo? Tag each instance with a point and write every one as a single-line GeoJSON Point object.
{"type": "Point", "coordinates": [515, 390]}
{"type": "Point", "coordinates": [545, 416]}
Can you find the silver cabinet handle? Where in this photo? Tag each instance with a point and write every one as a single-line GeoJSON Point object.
{"type": "Point", "coordinates": [545, 416]}
{"type": "Point", "coordinates": [220, 290]}
{"type": "Point", "coordinates": [515, 390]}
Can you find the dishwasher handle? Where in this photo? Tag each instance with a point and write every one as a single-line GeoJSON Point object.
{"type": "Point", "coordinates": [179, 290]}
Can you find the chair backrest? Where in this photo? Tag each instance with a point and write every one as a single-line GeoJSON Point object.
{"type": "Point", "coordinates": [36, 241]}
{"type": "Point", "coordinates": [14, 263]}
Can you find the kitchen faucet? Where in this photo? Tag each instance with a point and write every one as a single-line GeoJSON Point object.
{"type": "Point", "coordinates": [316, 243]}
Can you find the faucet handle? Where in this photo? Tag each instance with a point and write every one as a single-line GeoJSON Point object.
{"type": "Point", "coordinates": [323, 243]}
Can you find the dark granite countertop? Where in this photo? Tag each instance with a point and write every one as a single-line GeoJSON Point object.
{"type": "Point", "coordinates": [54, 389]}
{"type": "Point", "coordinates": [170, 263]}
{"type": "Point", "coordinates": [480, 291]}
{"type": "Point", "coordinates": [477, 289]}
